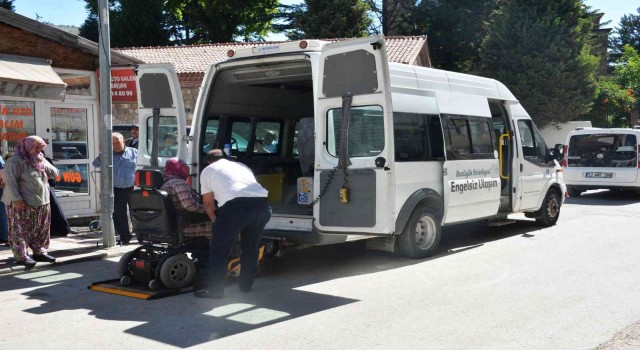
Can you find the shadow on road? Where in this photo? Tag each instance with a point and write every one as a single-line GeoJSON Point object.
{"type": "Point", "coordinates": [605, 198]}
{"type": "Point", "coordinates": [185, 321]}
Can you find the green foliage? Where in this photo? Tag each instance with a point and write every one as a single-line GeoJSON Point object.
{"type": "Point", "coordinates": [612, 105]}
{"type": "Point", "coordinates": [455, 29]}
{"type": "Point", "coordinates": [627, 33]}
{"type": "Point", "coordinates": [541, 50]}
{"type": "Point", "coordinates": [619, 94]}
{"type": "Point", "coordinates": [139, 23]}
{"type": "Point", "coordinates": [317, 19]}
{"type": "Point", "coordinates": [7, 5]}
{"type": "Point", "coordinates": [160, 22]}
{"type": "Point", "coordinates": [207, 21]}
{"type": "Point", "coordinates": [392, 17]}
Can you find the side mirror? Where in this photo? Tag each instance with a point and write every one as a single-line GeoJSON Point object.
{"type": "Point", "coordinates": [558, 152]}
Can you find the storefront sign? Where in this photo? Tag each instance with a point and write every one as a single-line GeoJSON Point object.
{"type": "Point", "coordinates": [123, 86]}
{"type": "Point", "coordinates": [31, 90]}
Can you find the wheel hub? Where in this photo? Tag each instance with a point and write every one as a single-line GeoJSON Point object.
{"type": "Point", "coordinates": [179, 271]}
{"type": "Point", "coordinates": [553, 208]}
{"type": "Point", "coordinates": [425, 232]}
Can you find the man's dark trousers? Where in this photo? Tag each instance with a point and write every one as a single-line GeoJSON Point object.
{"type": "Point", "coordinates": [120, 207]}
{"type": "Point", "coordinates": [247, 216]}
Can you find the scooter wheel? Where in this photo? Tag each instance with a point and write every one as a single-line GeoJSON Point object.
{"type": "Point", "coordinates": [125, 280]}
{"type": "Point", "coordinates": [154, 284]}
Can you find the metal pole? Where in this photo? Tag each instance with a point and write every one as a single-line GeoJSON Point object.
{"type": "Point", "coordinates": [106, 147]}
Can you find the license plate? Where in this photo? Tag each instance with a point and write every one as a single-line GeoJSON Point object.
{"type": "Point", "coordinates": [598, 175]}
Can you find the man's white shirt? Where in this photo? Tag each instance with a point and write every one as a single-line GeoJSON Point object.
{"type": "Point", "coordinates": [228, 180]}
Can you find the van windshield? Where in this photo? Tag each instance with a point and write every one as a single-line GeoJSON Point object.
{"type": "Point", "coordinates": [603, 150]}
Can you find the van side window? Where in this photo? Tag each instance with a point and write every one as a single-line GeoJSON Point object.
{"type": "Point", "coordinates": [534, 148]}
{"type": "Point", "coordinates": [366, 131]}
{"type": "Point", "coordinates": [417, 137]}
{"type": "Point", "coordinates": [267, 137]}
{"type": "Point", "coordinates": [167, 136]}
{"type": "Point", "coordinates": [468, 138]}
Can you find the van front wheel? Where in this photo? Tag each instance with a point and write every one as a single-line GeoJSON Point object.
{"type": "Point", "coordinates": [421, 235]}
{"type": "Point", "coordinates": [550, 210]}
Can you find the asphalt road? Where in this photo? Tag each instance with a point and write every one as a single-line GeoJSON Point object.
{"type": "Point", "coordinates": [571, 286]}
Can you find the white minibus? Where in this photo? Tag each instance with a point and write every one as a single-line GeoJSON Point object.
{"type": "Point", "coordinates": [351, 146]}
{"type": "Point", "coordinates": [597, 158]}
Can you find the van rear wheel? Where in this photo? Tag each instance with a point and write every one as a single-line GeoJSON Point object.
{"type": "Point", "coordinates": [421, 235]}
{"type": "Point", "coordinates": [550, 210]}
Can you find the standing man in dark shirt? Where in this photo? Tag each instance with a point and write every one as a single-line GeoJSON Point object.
{"type": "Point", "coordinates": [133, 141]}
{"type": "Point", "coordinates": [124, 173]}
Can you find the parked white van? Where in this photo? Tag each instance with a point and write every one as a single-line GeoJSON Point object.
{"type": "Point", "coordinates": [363, 148]}
{"type": "Point", "coordinates": [597, 158]}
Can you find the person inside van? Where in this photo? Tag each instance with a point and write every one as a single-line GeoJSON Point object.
{"type": "Point", "coordinates": [269, 144]}
{"type": "Point", "coordinates": [169, 147]}
{"type": "Point", "coordinates": [210, 137]}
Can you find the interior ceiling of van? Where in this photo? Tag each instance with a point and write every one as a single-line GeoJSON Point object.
{"type": "Point", "coordinates": [275, 90]}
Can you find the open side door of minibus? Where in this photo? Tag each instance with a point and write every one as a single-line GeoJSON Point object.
{"type": "Point", "coordinates": [161, 115]}
{"type": "Point", "coordinates": [471, 170]}
{"type": "Point", "coordinates": [354, 164]}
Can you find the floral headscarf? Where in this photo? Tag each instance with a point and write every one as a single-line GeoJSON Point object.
{"type": "Point", "coordinates": [23, 150]}
{"type": "Point", "coordinates": [176, 167]}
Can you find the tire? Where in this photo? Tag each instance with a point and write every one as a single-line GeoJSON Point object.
{"type": "Point", "coordinates": [177, 271]}
{"type": "Point", "coordinates": [421, 236]}
{"type": "Point", "coordinates": [573, 192]}
{"type": "Point", "coordinates": [123, 264]}
{"type": "Point", "coordinates": [550, 210]}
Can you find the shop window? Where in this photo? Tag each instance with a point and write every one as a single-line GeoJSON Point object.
{"type": "Point", "coordinates": [73, 179]}
{"type": "Point", "coordinates": [69, 136]}
{"type": "Point", "coordinates": [17, 122]}
{"type": "Point", "coordinates": [78, 84]}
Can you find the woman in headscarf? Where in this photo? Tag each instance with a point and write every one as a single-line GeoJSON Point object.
{"type": "Point", "coordinates": [185, 200]}
{"type": "Point", "coordinates": [26, 196]}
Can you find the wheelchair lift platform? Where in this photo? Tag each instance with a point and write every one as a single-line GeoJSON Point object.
{"type": "Point", "coordinates": [136, 290]}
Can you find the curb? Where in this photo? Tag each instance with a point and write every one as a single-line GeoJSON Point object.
{"type": "Point", "coordinates": [82, 256]}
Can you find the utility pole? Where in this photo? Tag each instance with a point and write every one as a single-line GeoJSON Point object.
{"type": "Point", "coordinates": [106, 146]}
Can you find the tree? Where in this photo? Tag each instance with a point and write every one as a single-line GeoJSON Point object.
{"type": "Point", "coordinates": [455, 29]}
{"type": "Point", "coordinates": [7, 5]}
{"type": "Point", "coordinates": [158, 22]}
{"type": "Point", "coordinates": [392, 17]}
{"type": "Point", "coordinates": [541, 50]}
{"type": "Point", "coordinates": [206, 21]}
{"type": "Point", "coordinates": [139, 23]}
{"type": "Point", "coordinates": [627, 33]}
{"type": "Point", "coordinates": [327, 19]}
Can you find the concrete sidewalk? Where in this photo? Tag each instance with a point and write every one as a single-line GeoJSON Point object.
{"type": "Point", "coordinates": [83, 246]}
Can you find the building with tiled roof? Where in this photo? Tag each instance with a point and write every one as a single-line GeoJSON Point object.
{"type": "Point", "coordinates": [191, 61]}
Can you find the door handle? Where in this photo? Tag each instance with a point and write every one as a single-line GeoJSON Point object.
{"type": "Point", "coordinates": [521, 166]}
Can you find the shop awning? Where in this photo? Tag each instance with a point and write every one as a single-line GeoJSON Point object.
{"type": "Point", "coordinates": [29, 77]}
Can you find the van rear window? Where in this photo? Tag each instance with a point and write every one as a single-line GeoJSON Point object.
{"type": "Point", "coordinates": [603, 150]}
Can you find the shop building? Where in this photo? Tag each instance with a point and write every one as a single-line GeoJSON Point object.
{"type": "Point", "coordinates": [48, 87]}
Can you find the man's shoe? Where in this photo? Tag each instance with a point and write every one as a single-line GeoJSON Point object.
{"type": "Point", "coordinates": [121, 242]}
{"type": "Point", "coordinates": [27, 262]}
{"type": "Point", "coordinates": [44, 257]}
{"type": "Point", "coordinates": [210, 294]}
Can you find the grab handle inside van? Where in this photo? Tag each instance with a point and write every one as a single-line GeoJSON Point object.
{"type": "Point", "coordinates": [500, 154]}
